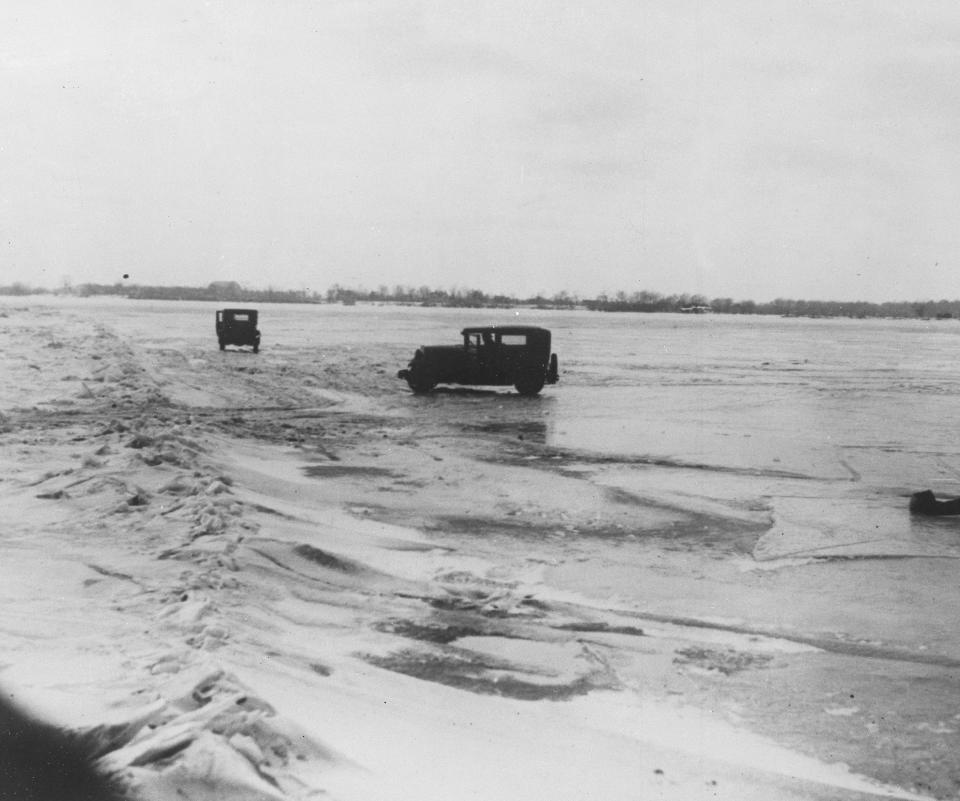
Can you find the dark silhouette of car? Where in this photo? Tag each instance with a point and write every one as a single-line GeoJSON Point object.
{"type": "Point", "coordinates": [238, 327]}
{"type": "Point", "coordinates": [489, 356]}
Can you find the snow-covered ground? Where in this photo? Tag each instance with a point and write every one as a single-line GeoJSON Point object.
{"type": "Point", "coordinates": [283, 576]}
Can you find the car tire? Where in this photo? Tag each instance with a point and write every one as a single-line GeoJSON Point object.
{"type": "Point", "coordinates": [420, 384]}
{"type": "Point", "coordinates": [530, 385]}
{"type": "Point", "coordinates": [420, 377]}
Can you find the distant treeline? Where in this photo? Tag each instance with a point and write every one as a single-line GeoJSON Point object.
{"type": "Point", "coordinates": [223, 291]}
{"type": "Point", "coordinates": [233, 292]}
{"type": "Point", "coordinates": [783, 307]}
{"type": "Point", "coordinates": [647, 302]}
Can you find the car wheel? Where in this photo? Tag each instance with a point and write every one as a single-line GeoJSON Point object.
{"type": "Point", "coordinates": [420, 383]}
{"type": "Point", "coordinates": [419, 376]}
{"type": "Point", "coordinates": [529, 385]}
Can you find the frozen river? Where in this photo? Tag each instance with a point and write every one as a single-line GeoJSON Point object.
{"type": "Point", "coordinates": [711, 479]}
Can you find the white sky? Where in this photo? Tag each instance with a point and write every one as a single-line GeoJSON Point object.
{"type": "Point", "coordinates": [747, 148]}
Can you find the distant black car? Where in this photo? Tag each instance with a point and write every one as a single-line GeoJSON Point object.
{"type": "Point", "coordinates": [491, 355]}
{"type": "Point", "coordinates": [238, 327]}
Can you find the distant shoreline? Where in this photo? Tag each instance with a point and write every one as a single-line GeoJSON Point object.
{"type": "Point", "coordinates": [232, 293]}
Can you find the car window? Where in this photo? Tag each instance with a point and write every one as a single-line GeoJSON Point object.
{"type": "Point", "coordinates": [243, 318]}
{"type": "Point", "coordinates": [513, 339]}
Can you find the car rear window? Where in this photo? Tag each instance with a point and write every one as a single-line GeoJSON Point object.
{"type": "Point", "coordinates": [241, 317]}
{"type": "Point", "coordinates": [513, 339]}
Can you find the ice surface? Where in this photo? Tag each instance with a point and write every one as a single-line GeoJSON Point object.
{"type": "Point", "coordinates": [284, 576]}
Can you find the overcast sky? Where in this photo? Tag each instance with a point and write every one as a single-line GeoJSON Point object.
{"type": "Point", "coordinates": [742, 148]}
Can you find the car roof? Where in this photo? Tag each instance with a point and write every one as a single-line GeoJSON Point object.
{"type": "Point", "coordinates": [239, 311]}
{"type": "Point", "coordinates": [506, 329]}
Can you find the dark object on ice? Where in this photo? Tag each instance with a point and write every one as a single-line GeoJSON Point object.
{"type": "Point", "coordinates": [492, 355]}
{"type": "Point", "coordinates": [39, 762]}
{"type": "Point", "coordinates": [238, 327]}
{"type": "Point", "coordinates": [925, 503]}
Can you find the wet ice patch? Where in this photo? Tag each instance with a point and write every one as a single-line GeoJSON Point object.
{"type": "Point", "coordinates": [823, 527]}
{"type": "Point", "coordinates": [512, 668]}
{"type": "Point", "coordinates": [722, 661]}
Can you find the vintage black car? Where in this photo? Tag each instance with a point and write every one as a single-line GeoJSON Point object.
{"type": "Point", "coordinates": [491, 355]}
{"type": "Point", "coordinates": [238, 327]}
